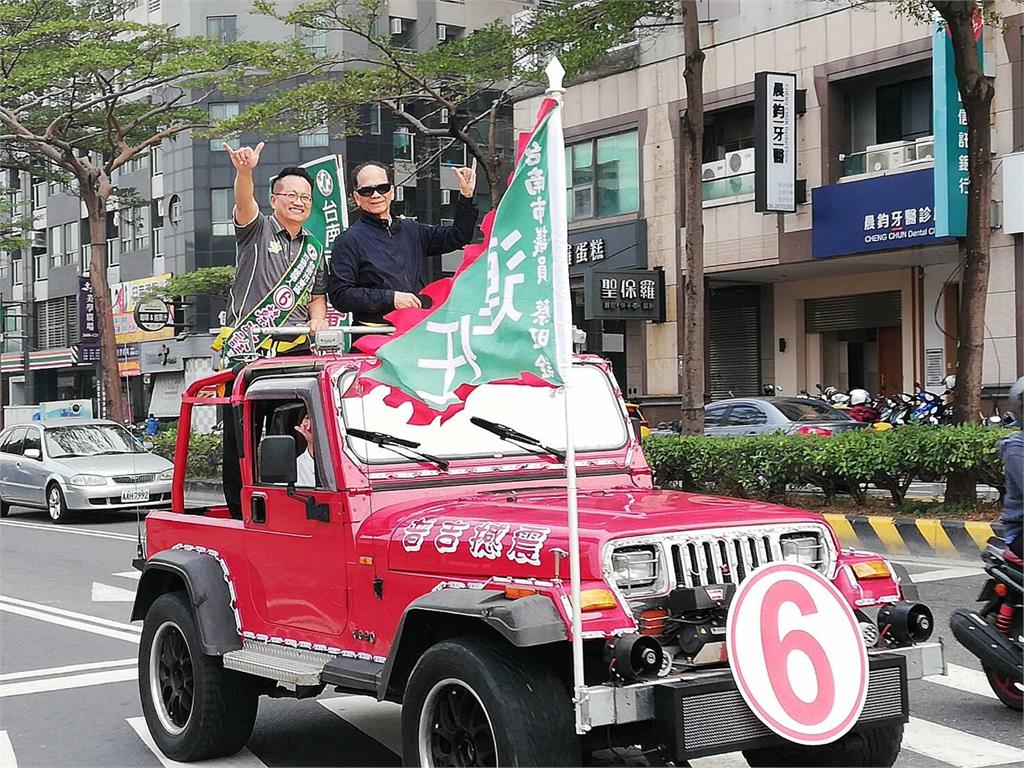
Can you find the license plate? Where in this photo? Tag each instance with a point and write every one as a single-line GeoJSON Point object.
{"type": "Point", "coordinates": [140, 494]}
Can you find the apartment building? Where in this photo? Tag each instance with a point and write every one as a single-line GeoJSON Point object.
{"type": "Point", "coordinates": [185, 222]}
{"type": "Point", "coordinates": [836, 293]}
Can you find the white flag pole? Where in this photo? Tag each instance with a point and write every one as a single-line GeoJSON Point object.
{"type": "Point", "coordinates": [563, 315]}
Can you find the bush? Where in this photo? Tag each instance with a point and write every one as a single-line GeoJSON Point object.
{"type": "Point", "coordinates": [764, 466]}
{"type": "Point", "coordinates": [204, 453]}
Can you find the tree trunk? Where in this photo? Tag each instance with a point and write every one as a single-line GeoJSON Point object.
{"type": "Point", "coordinates": [692, 362]}
{"type": "Point", "coordinates": [96, 207]}
{"type": "Point", "coordinates": [976, 91]}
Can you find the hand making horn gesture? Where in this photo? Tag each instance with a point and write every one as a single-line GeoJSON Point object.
{"type": "Point", "coordinates": [244, 158]}
{"type": "Point", "coordinates": [467, 179]}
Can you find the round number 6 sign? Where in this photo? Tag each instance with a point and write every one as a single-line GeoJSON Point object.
{"type": "Point", "coordinates": [797, 654]}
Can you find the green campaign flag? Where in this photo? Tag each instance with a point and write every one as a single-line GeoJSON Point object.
{"type": "Point", "coordinates": [506, 314]}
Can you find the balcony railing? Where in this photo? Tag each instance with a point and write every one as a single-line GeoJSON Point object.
{"type": "Point", "coordinates": [728, 187]}
{"type": "Point", "coordinates": [894, 157]}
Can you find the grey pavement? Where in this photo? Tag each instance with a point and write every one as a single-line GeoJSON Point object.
{"type": "Point", "coordinates": [68, 687]}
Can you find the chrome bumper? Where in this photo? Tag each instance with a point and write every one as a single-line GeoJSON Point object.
{"type": "Point", "coordinates": [614, 705]}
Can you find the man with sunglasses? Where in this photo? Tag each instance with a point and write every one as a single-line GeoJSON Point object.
{"type": "Point", "coordinates": [380, 263]}
{"type": "Point", "coordinates": [280, 279]}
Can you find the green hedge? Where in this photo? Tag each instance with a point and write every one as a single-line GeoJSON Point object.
{"type": "Point", "coordinates": [204, 453]}
{"type": "Point", "coordinates": [763, 466]}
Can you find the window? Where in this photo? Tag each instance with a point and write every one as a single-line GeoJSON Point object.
{"type": "Point", "coordinates": [17, 270]}
{"type": "Point", "coordinates": [72, 232]}
{"type": "Point", "coordinates": [53, 188]}
{"type": "Point", "coordinates": [374, 120]}
{"type": "Point", "coordinates": [713, 416]}
{"type": "Point", "coordinates": [402, 32]}
{"type": "Point", "coordinates": [32, 442]}
{"type": "Point", "coordinates": [746, 415]}
{"type": "Point", "coordinates": [141, 228]}
{"type": "Point", "coordinates": [158, 241]}
{"type": "Point", "coordinates": [174, 209]}
{"type": "Point", "coordinates": [904, 111]}
{"type": "Point", "coordinates": [454, 154]}
{"type": "Point", "coordinates": [728, 130]}
{"type": "Point", "coordinates": [56, 322]}
{"type": "Point", "coordinates": [222, 202]}
{"type": "Point", "coordinates": [223, 28]}
{"type": "Point", "coordinates": [603, 177]}
{"type": "Point", "coordinates": [39, 195]}
{"type": "Point", "coordinates": [125, 227]}
{"type": "Point", "coordinates": [40, 264]}
{"type": "Point", "coordinates": [14, 327]}
{"type": "Point", "coordinates": [55, 245]}
{"type": "Point", "coordinates": [403, 144]}
{"type": "Point", "coordinates": [113, 252]}
{"type": "Point", "coordinates": [13, 441]}
{"type": "Point", "coordinates": [314, 137]}
{"type": "Point", "coordinates": [314, 41]}
{"type": "Point", "coordinates": [5, 265]}
{"type": "Point", "coordinates": [223, 111]}
{"type": "Point", "coordinates": [155, 164]}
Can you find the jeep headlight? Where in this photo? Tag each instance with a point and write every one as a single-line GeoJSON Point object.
{"type": "Point", "coordinates": [88, 480]}
{"type": "Point", "coordinates": [803, 548]}
{"type": "Point", "coordinates": [167, 474]}
{"type": "Point", "coordinates": [635, 569]}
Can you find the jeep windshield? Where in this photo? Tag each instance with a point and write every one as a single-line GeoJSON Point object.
{"type": "Point", "coordinates": [598, 423]}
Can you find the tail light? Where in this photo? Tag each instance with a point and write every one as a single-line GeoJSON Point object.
{"type": "Point", "coordinates": [653, 622]}
{"type": "Point", "coordinates": [817, 431]}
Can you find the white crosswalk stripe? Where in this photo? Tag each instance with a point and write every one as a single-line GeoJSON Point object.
{"type": "Point", "coordinates": [243, 759]}
{"type": "Point", "coordinates": [105, 593]}
{"type": "Point", "coordinates": [956, 748]}
{"type": "Point", "coordinates": [7, 757]}
{"type": "Point", "coordinates": [964, 679]}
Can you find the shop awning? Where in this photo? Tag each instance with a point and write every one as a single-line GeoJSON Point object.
{"type": "Point", "coordinates": [167, 389]}
{"type": "Point", "coordinates": [63, 357]}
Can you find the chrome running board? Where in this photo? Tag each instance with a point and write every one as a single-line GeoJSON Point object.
{"type": "Point", "coordinates": [278, 662]}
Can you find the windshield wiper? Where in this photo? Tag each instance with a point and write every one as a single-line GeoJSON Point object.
{"type": "Point", "coordinates": [383, 440]}
{"type": "Point", "coordinates": [515, 437]}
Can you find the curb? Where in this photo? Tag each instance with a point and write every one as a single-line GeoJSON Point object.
{"type": "Point", "coordinates": [923, 537]}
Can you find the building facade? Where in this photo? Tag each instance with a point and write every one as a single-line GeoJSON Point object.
{"type": "Point", "coordinates": [851, 290]}
{"type": "Point", "coordinates": [184, 221]}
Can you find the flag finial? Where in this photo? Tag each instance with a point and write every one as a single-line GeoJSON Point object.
{"type": "Point", "coordinates": [555, 72]}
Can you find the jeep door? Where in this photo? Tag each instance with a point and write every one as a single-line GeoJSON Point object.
{"type": "Point", "coordinates": [296, 550]}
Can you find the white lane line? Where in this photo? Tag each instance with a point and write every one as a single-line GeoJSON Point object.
{"type": "Point", "coordinates": [66, 529]}
{"type": "Point", "coordinates": [105, 593]}
{"type": "Point", "coordinates": [959, 749]}
{"type": "Point", "coordinates": [380, 720]}
{"type": "Point", "coordinates": [7, 756]}
{"type": "Point", "coordinates": [241, 759]}
{"type": "Point", "coordinates": [67, 682]}
{"type": "Point", "coordinates": [964, 679]}
{"type": "Point", "coordinates": [67, 669]}
{"type": "Point", "coordinates": [96, 629]}
{"type": "Point", "coordinates": [6, 599]}
{"type": "Point", "coordinates": [942, 575]}
{"type": "Point", "coordinates": [134, 575]}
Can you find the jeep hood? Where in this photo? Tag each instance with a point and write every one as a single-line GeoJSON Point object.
{"type": "Point", "coordinates": [509, 533]}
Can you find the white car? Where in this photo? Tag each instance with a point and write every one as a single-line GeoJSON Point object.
{"type": "Point", "coordinates": [69, 465]}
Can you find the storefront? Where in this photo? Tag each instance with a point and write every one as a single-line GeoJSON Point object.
{"type": "Point", "coordinates": [168, 366]}
{"type": "Point", "coordinates": [614, 296]}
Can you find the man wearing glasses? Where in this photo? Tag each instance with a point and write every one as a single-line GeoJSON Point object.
{"type": "Point", "coordinates": [380, 262]}
{"type": "Point", "coordinates": [280, 279]}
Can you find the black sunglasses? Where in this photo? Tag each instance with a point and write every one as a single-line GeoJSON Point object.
{"type": "Point", "coordinates": [380, 189]}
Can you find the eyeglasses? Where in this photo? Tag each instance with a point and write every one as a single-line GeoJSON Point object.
{"type": "Point", "coordinates": [300, 197]}
{"type": "Point", "coordinates": [380, 189]}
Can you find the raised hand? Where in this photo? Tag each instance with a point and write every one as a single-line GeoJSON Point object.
{"type": "Point", "coordinates": [244, 158]}
{"type": "Point", "coordinates": [467, 179]}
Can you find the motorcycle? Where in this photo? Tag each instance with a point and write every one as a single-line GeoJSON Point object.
{"type": "Point", "coordinates": [994, 633]}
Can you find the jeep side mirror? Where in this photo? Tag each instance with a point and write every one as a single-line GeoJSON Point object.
{"type": "Point", "coordinates": [277, 460]}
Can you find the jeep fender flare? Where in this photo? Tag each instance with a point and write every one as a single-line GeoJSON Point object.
{"type": "Point", "coordinates": [203, 578]}
{"type": "Point", "coordinates": [525, 622]}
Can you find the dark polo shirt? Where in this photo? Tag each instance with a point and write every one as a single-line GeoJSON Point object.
{"type": "Point", "coordinates": [264, 251]}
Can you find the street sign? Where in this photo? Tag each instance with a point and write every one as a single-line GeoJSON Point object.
{"type": "Point", "coordinates": [152, 315]}
{"type": "Point", "coordinates": [774, 142]}
{"type": "Point", "coordinates": [797, 653]}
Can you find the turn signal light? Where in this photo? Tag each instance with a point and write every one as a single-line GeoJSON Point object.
{"type": "Point", "coordinates": [1000, 589]}
{"type": "Point", "coordinates": [871, 569]}
{"type": "Point", "coordinates": [596, 600]}
{"type": "Point", "coordinates": [514, 593]}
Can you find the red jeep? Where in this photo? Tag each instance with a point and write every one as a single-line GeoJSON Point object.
{"type": "Point", "coordinates": [428, 565]}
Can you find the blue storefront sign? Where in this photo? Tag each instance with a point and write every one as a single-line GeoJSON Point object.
{"type": "Point", "coordinates": [894, 211]}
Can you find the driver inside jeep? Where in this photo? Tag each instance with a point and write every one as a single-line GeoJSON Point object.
{"type": "Point", "coordinates": [305, 464]}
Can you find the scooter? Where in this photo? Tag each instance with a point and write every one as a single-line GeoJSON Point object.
{"type": "Point", "coordinates": [994, 633]}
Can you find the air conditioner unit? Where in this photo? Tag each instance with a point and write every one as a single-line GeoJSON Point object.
{"type": "Point", "coordinates": [883, 157]}
{"type": "Point", "coordinates": [924, 148]}
{"type": "Point", "coordinates": [740, 162]}
{"type": "Point", "coordinates": [716, 169]}
{"type": "Point", "coordinates": [39, 238]}
{"type": "Point", "coordinates": [443, 116]}
{"type": "Point", "coordinates": [396, 26]}
{"type": "Point", "coordinates": [399, 194]}
{"type": "Point", "coordinates": [446, 197]}
{"type": "Point", "coordinates": [442, 32]}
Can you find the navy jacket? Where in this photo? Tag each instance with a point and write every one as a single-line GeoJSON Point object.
{"type": "Point", "coordinates": [1012, 452]}
{"type": "Point", "coordinates": [370, 260]}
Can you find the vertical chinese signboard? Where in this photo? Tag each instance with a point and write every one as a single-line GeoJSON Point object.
{"type": "Point", "coordinates": [952, 179]}
{"type": "Point", "coordinates": [774, 142]}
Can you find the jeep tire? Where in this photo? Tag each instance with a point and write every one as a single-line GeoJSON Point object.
{"type": "Point", "coordinates": [861, 749]}
{"type": "Point", "coordinates": [470, 703]}
{"type": "Point", "coordinates": [195, 709]}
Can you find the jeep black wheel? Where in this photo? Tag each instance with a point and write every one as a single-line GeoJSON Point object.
{"type": "Point", "coordinates": [872, 748]}
{"type": "Point", "coordinates": [195, 709]}
{"type": "Point", "coordinates": [470, 704]}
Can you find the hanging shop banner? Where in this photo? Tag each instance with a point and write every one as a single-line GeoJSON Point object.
{"type": "Point", "coordinates": [624, 295]}
{"type": "Point", "coordinates": [774, 142]}
{"type": "Point", "coordinates": [86, 308]}
{"type": "Point", "coordinates": [879, 214]}
{"type": "Point", "coordinates": [950, 126]}
{"type": "Point", "coordinates": [618, 246]}
{"type": "Point", "coordinates": [124, 297]}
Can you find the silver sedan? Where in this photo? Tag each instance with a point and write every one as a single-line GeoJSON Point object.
{"type": "Point", "coordinates": [66, 465]}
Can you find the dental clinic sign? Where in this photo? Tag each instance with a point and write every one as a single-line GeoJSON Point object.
{"type": "Point", "coordinates": [884, 213]}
